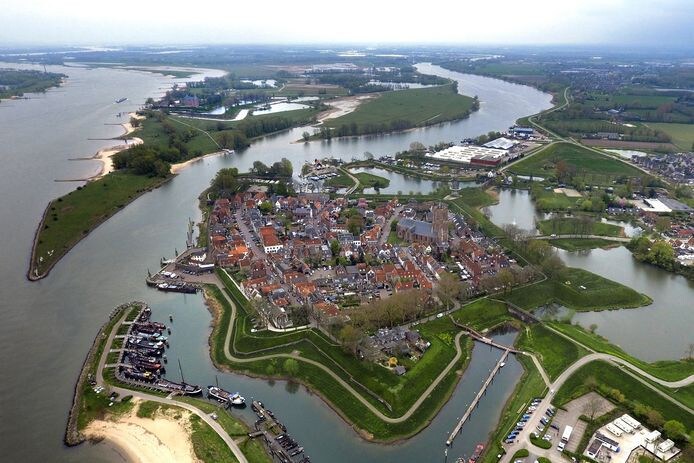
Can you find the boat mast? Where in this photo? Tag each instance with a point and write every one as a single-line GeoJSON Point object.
{"type": "Point", "coordinates": [181, 371]}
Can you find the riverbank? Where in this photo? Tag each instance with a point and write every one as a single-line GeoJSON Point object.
{"type": "Point", "coordinates": [165, 436]}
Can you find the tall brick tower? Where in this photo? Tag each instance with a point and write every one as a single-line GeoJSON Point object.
{"type": "Point", "coordinates": [439, 223]}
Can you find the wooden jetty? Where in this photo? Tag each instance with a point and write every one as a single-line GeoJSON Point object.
{"type": "Point", "coordinates": [470, 409]}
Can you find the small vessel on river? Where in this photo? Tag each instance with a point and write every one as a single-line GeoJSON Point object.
{"type": "Point", "coordinates": [476, 454]}
{"type": "Point", "coordinates": [223, 396]}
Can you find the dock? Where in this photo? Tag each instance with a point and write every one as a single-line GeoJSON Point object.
{"type": "Point", "coordinates": [459, 426]}
{"type": "Point", "coordinates": [477, 336]}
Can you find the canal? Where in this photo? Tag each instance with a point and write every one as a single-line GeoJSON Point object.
{"type": "Point", "coordinates": [46, 327]}
{"type": "Point", "coordinates": [660, 331]}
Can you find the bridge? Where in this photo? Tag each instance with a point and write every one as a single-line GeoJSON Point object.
{"type": "Point", "coordinates": [459, 426]}
{"type": "Point", "coordinates": [477, 336]}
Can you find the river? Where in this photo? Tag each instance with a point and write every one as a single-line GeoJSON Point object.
{"type": "Point", "coordinates": [46, 327]}
{"type": "Point", "coordinates": [660, 331]}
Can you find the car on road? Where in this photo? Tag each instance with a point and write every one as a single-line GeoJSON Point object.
{"type": "Point", "coordinates": [439, 315]}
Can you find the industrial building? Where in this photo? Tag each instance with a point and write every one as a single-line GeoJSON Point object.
{"type": "Point", "coordinates": [471, 154]}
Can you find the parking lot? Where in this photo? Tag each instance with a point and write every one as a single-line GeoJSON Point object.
{"type": "Point", "coordinates": [589, 404]}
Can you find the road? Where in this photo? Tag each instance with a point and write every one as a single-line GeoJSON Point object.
{"type": "Point", "coordinates": [233, 446]}
{"type": "Point", "coordinates": [342, 382]}
{"type": "Point", "coordinates": [354, 187]}
{"type": "Point", "coordinates": [523, 440]}
{"type": "Point", "coordinates": [385, 231]}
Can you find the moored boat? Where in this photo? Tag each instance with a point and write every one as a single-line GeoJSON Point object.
{"type": "Point", "coordinates": [182, 388]}
{"type": "Point", "coordinates": [224, 396]}
{"type": "Point", "coordinates": [476, 454]}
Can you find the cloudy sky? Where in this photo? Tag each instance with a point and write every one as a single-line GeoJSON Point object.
{"type": "Point", "coordinates": [97, 22]}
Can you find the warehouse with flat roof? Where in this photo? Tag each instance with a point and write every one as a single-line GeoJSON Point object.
{"type": "Point", "coordinates": [470, 154]}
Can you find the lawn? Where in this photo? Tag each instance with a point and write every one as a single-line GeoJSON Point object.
{"type": "Point", "coordinates": [669, 370]}
{"type": "Point", "coordinates": [70, 218]}
{"type": "Point", "coordinates": [397, 110]}
{"type": "Point", "coordinates": [367, 180]}
{"type": "Point", "coordinates": [341, 181]}
{"type": "Point", "coordinates": [475, 197]}
{"type": "Point", "coordinates": [682, 134]}
{"type": "Point", "coordinates": [576, 226]}
{"type": "Point", "coordinates": [483, 314]}
{"type": "Point", "coordinates": [555, 352]}
{"type": "Point", "coordinates": [530, 386]}
{"type": "Point", "coordinates": [599, 293]}
{"type": "Point", "coordinates": [579, 244]}
{"type": "Point", "coordinates": [609, 377]}
{"type": "Point", "coordinates": [548, 200]}
{"type": "Point", "coordinates": [590, 166]}
{"type": "Point", "coordinates": [399, 392]}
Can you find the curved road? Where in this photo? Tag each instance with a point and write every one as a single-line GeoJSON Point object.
{"type": "Point", "coordinates": [523, 440]}
{"type": "Point", "coordinates": [342, 382]}
{"type": "Point", "coordinates": [233, 446]}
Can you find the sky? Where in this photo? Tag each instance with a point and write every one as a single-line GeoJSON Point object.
{"type": "Point", "coordinates": [666, 23]}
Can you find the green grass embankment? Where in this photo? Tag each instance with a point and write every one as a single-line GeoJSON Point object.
{"type": "Point", "coordinates": [668, 370]}
{"type": "Point", "coordinates": [554, 352]}
{"type": "Point", "coordinates": [71, 217]}
{"type": "Point", "coordinates": [682, 134]}
{"type": "Point", "coordinates": [529, 386]}
{"type": "Point", "coordinates": [610, 379]}
{"type": "Point", "coordinates": [399, 110]}
{"type": "Point", "coordinates": [589, 166]}
{"type": "Point", "coordinates": [575, 226]}
{"type": "Point", "coordinates": [568, 290]}
{"type": "Point", "coordinates": [581, 244]}
{"type": "Point", "coordinates": [399, 392]}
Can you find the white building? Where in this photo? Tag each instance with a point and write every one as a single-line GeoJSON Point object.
{"type": "Point", "coordinates": [501, 143]}
{"type": "Point", "coordinates": [464, 154]}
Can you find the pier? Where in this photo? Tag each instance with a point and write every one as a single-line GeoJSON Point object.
{"type": "Point", "coordinates": [459, 426]}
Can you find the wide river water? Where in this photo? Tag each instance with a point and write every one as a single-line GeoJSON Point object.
{"type": "Point", "coordinates": [46, 327]}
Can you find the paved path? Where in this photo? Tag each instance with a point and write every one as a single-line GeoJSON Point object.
{"type": "Point", "coordinates": [523, 440]}
{"type": "Point", "coordinates": [342, 382]}
{"type": "Point", "coordinates": [233, 446]}
{"type": "Point", "coordinates": [354, 187]}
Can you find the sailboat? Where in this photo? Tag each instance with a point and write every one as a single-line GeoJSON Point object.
{"type": "Point", "coordinates": [225, 397]}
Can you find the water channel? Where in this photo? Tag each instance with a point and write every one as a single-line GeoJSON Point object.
{"type": "Point", "coordinates": [660, 331]}
{"type": "Point", "coordinates": [46, 327]}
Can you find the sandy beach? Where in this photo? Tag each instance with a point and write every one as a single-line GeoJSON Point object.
{"type": "Point", "coordinates": [105, 154]}
{"type": "Point", "coordinates": [176, 168]}
{"type": "Point", "coordinates": [145, 440]}
{"type": "Point", "coordinates": [341, 106]}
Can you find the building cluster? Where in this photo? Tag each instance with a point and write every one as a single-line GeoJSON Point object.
{"type": "Point", "coordinates": [329, 254]}
{"type": "Point", "coordinates": [676, 167]}
{"type": "Point", "coordinates": [388, 344]}
{"type": "Point", "coordinates": [501, 150]}
{"type": "Point", "coordinates": [623, 437]}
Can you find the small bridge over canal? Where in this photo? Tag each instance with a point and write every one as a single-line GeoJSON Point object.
{"type": "Point", "coordinates": [477, 336]}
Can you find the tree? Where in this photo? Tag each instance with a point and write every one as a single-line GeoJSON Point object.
{"type": "Point", "coordinates": [674, 429]}
{"type": "Point", "coordinates": [654, 418]}
{"type": "Point", "coordinates": [507, 279]}
{"type": "Point", "coordinates": [690, 351]}
{"type": "Point", "coordinates": [260, 168]}
{"type": "Point", "coordinates": [291, 367]}
{"type": "Point", "coordinates": [448, 289]}
{"type": "Point", "coordinates": [663, 224]}
{"type": "Point", "coordinates": [368, 155]}
{"type": "Point", "coordinates": [335, 247]}
{"type": "Point", "coordinates": [306, 136]}
{"type": "Point", "coordinates": [591, 383]}
{"type": "Point", "coordinates": [592, 408]}
{"type": "Point", "coordinates": [661, 254]}
{"type": "Point", "coordinates": [350, 337]}
{"type": "Point", "coordinates": [593, 327]}
{"type": "Point", "coordinates": [562, 170]}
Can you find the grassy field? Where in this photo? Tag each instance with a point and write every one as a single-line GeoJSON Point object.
{"type": "Point", "coordinates": [530, 386]}
{"type": "Point", "coordinates": [475, 197]}
{"type": "Point", "coordinates": [482, 314]}
{"type": "Point", "coordinates": [341, 181]}
{"type": "Point", "coordinates": [367, 180]}
{"type": "Point", "coordinates": [599, 293]}
{"type": "Point", "coordinates": [418, 107]}
{"type": "Point", "coordinates": [548, 200]}
{"type": "Point", "coordinates": [71, 217]}
{"type": "Point", "coordinates": [399, 392]}
{"type": "Point", "coordinates": [609, 377]}
{"type": "Point", "coordinates": [555, 352]}
{"type": "Point", "coordinates": [578, 244]}
{"type": "Point", "coordinates": [590, 167]}
{"type": "Point", "coordinates": [669, 370]}
{"type": "Point", "coordinates": [574, 226]}
{"type": "Point", "coordinates": [682, 134]}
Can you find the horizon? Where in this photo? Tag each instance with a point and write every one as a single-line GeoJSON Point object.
{"type": "Point", "coordinates": [533, 23]}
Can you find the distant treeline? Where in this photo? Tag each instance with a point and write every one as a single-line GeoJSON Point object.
{"type": "Point", "coordinates": [360, 82]}
{"type": "Point", "coordinates": [18, 82]}
{"type": "Point", "coordinates": [155, 160]}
